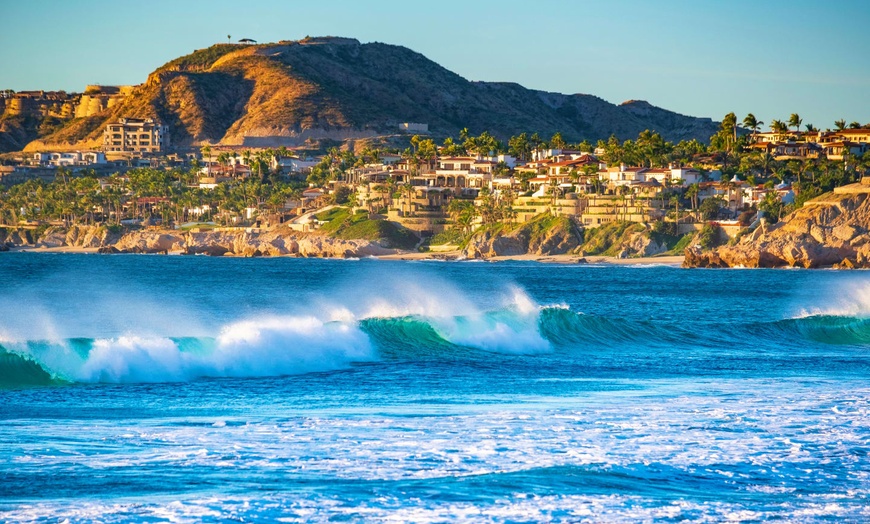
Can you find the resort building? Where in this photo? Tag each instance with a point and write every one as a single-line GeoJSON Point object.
{"type": "Point", "coordinates": [69, 158]}
{"type": "Point", "coordinates": [136, 135]}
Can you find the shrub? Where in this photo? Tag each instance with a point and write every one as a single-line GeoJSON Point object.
{"type": "Point", "coordinates": [342, 194]}
{"type": "Point", "coordinates": [709, 236]}
{"type": "Point", "coordinates": [682, 243]}
{"type": "Point", "coordinates": [448, 236]}
{"type": "Point", "coordinates": [665, 228]}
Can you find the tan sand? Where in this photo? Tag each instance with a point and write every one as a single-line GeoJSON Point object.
{"type": "Point", "coordinates": [62, 249]}
{"type": "Point", "coordinates": [446, 255]}
{"type": "Point", "coordinates": [553, 259]}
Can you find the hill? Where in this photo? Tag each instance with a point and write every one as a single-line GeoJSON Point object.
{"type": "Point", "coordinates": [337, 88]}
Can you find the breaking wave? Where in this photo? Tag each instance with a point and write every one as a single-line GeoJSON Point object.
{"type": "Point", "coordinates": [275, 346]}
{"type": "Point", "coordinates": [271, 347]}
{"type": "Point", "coordinates": [335, 340]}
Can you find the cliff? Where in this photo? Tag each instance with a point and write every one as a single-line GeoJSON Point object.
{"type": "Point", "coordinates": [831, 230]}
{"type": "Point", "coordinates": [289, 92]}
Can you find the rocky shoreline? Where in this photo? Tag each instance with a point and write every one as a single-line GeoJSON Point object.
{"type": "Point", "coordinates": [242, 243]}
{"type": "Point", "coordinates": [830, 231]}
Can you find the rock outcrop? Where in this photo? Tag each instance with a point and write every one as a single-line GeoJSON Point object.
{"type": "Point", "coordinates": [641, 244]}
{"type": "Point", "coordinates": [535, 238]}
{"type": "Point", "coordinates": [278, 242]}
{"type": "Point", "coordinates": [830, 231]}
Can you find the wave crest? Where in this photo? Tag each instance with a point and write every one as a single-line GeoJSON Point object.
{"type": "Point", "coordinates": [271, 347]}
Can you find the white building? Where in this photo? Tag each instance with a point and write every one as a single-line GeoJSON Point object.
{"type": "Point", "coordinates": [69, 158]}
{"type": "Point", "coordinates": [291, 164]}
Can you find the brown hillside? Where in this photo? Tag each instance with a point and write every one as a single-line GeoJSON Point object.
{"type": "Point", "coordinates": [282, 94]}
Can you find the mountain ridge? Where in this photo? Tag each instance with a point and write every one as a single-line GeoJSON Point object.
{"type": "Point", "coordinates": [336, 88]}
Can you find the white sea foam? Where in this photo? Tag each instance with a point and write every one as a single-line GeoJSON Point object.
{"type": "Point", "coordinates": [266, 347]}
{"type": "Point", "coordinates": [722, 435]}
{"type": "Point", "coordinates": [511, 329]}
{"type": "Point", "coordinates": [328, 339]}
{"type": "Point", "coordinates": [508, 323]}
{"type": "Point", "coordinates": [326, 336]}
{"type": "Point", "coordinates": [849, 297]}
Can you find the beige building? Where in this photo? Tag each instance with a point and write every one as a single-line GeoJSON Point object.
{"type": "Point", "coordinates": [136, 135]}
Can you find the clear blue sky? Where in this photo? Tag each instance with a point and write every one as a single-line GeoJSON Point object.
{"type": "Point", "coordinates": [702, 58]}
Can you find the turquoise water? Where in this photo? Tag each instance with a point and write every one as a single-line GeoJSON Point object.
{"type": "Point", "coordinates": [190, 389]}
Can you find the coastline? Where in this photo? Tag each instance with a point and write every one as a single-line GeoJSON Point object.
{"type": "Point", "coordinates": [546, 259]}
{"type": "Point", "coordinates": [448, 256]}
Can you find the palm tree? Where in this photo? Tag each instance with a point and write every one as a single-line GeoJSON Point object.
{"type": "Point", "coordinates": [692, 193]}
{"type": "Point", "coordinates": [675, 200]}
{"type": "Point", "coordinates": [750, 122]}
{"type": "Point", "coordinates": [779, 127]}
{"type": "Point", "coordinates": [795, 121]}
{"type": "Point", "coordinates": [840, 124]}
{"type": "Point", "coordinates": [409, 192]}
{"type": "Point", "coordinates": [729, 126]}
{"type": "Point", "coordinates": [854, 125]}
{"type": "Point", "coordinates": [206, 153]}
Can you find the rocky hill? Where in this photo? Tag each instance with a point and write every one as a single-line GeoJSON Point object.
{"type": "Point", "coordinates": [337, 88]}
{"type": "Point", "coordinates": [831, 230]}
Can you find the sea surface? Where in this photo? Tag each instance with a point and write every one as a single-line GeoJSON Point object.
{"type": "Point", "coordinates": [193, 389]}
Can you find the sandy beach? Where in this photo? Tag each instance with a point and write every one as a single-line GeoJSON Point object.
{"type": "Point", "coordinates": [61, 249]}
{"type": "Point", "coordinates": [551, 259]}
{"type": "Point", "coordinates": [443, 255]}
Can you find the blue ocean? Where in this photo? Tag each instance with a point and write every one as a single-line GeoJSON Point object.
{"type": "Point", "coordinates": [193, 389]}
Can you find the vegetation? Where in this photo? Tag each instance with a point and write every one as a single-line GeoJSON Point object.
{"type": "Point", "coordinates": [607, 239]}
{"type": "Point", "coordinates": [341, 222]}
{"type": "Point", "coordinates": [710, 236]}
{"type": "Point", "coordinates": [141, 195]}
{"type": "Point", "coordinates": [680, 246]}
{"type": "Point", "coordinates": [667, 233]}
{"type": "Point", "coordinates": [200, 59]}
{"type": "Point", "coordinates": [447, 237]}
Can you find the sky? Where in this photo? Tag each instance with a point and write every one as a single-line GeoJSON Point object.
{"type": "Point", "coordinates": [696, 57]}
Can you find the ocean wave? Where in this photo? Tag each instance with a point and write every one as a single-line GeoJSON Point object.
{"type": "Point", "coordinates": [826, 329]}
{"type": "Point", "coordinates": [278, 345]}
{"type": "Point", "coordinates": [270, 347]}
{"type": "Point", "coordinates": [289, 345]}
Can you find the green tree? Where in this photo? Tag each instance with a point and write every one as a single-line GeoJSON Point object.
{"type": "Point", "coordinates": [557, 142]}
{"type": "Point", "coordinates": [750, 122]}
{"type": "Point", "coordinates": [795, 121]}
{"type": "Point", "coordinates": [520, 146]}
